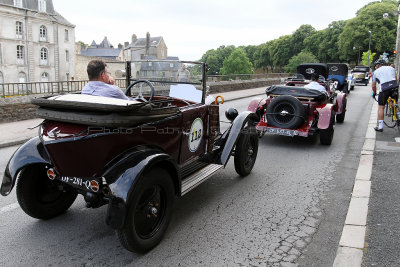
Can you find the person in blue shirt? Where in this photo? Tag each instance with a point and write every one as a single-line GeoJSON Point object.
{"type": "Point", "coordinates": [100, 82]}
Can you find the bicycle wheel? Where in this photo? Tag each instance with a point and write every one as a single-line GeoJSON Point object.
{"type": "Point", "coordinates": [392, 114]}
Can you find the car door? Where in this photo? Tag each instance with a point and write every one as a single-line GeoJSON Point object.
{"type": "Point", "coordinates": [194, 132]}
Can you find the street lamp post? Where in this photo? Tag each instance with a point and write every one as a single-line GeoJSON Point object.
{"type": "Point", "coordinates": [369, 47]}
{"type": "Point", "coordinates": [396, 59]}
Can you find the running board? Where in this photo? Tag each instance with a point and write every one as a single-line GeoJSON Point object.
{"type": "Point", "coordinates": [198, 177]}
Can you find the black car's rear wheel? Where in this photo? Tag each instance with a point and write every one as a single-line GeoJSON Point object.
{"type": "Point", "coordinates": [246, 151]}
{"type": "Point", "coordinates": [40, 197]}
{"type": "Point", "coordinates": [285, 112]}
{"type": "Point", "coordinates": [149, 211]}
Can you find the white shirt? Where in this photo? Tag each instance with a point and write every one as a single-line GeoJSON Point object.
{"type": "Point", "coordinates": [315, 85]}
{"type": "Point", "coordinates": [384, 74]}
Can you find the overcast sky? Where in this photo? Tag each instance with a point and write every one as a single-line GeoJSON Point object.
{"type": "Point", "coordinates": [190, 28]}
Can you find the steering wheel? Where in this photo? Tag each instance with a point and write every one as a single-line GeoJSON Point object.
{"type": "Point", "coordinates": [140, 96]}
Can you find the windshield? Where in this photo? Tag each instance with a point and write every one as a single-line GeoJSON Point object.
{"type": "Point", "coordinates": [178, 79]}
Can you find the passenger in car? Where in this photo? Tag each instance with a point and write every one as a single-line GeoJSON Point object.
{"type": "Point", "coordinates": [314, 84]}
{"type": "Point", "coordinates": [100, 81]}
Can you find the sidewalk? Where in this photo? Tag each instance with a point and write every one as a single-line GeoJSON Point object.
{"type": "Point", "coordinates": [15, 133]}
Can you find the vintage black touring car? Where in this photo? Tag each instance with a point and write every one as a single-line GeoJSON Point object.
{"type": "Point", "coordinates": [133, 155]}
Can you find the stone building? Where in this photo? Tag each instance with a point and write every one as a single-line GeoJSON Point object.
{"type": "Point", "coordinates": [36, 42]}
{"type": "Point", "coordinates": [150, 46]}
{"type": "Point", "coordinates": [104, 50]}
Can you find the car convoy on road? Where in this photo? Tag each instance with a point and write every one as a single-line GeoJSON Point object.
{"type": "Point", "coordinates": [137, 156]}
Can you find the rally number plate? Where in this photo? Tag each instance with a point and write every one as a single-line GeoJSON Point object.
{"type": "Point", "coordinates": [280, 131]}
{"type": "Point", "coordinates": [87, 184]}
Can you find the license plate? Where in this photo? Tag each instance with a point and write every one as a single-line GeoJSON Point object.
{"type": "Point", "coordinates": [87, 184]}
{"type": "Point", "coordinates": [280, 131]}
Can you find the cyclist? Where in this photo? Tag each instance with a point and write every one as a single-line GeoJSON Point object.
{"type": "Point", "coordinates": [386, 77]}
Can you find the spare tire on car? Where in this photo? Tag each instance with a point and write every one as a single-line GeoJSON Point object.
{"type": "Point", "coordinates": [285, 111]}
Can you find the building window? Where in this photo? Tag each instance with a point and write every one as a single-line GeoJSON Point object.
{"type": "Point", "coordinates": [42, 5]}
{"type": "Point", "coordinates": [43, 56]}
{"type": "Point", "coordinates": [42, 33]}
{"type": "Point", "coordinates": [21, 79]}
{"type": "Point", "coordinates": [18, 3]}
{"type": "Point", "coordinates": [18, 29]}
{"type": "Point", "coordinates": [67, 55]}
{"type": "Point", "coordinates": [20, 54]}
{"type": "Point", "coordinates": [66, 37]}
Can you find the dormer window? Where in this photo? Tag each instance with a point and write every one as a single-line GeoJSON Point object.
{"type": "Point", "coordinates": [42, 5]}
{"type": "Point", "coordinates": [18, 3]}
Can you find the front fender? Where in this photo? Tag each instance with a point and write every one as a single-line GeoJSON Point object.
{"type": "Point", "coordinates": [32, 152]}
{"type": "Point", "coordinates": [255, 103]}
{"type": "Point", "coordinates": [324, 116]}
{"type": "Point", "coordinates": [234, 133]}
{"type": "Point", "coordinates": [340, 98]}
{"type": "Point", "coordinates": [125, 173]}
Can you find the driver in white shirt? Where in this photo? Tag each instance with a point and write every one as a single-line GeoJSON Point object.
{"type": "Point", "coordinates": [314, 84]}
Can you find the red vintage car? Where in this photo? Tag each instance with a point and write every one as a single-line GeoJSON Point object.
{"type": "Point", "coordinates": [293, 110]}
{"type": "Point", "coordinates": [133, 155]}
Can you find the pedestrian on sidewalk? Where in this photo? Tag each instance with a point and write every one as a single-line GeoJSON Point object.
{"type": "Point", "coordinates": [386, 77]}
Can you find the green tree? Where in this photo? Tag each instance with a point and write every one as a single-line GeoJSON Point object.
{"type": "Point", "coordinates": [215, 58]}
{"type": "Point", "coordinates": [262, 57]}
{"type": "Point", "coordinates": [313, 43]}
{"type": "Point", "coordinates": [370, 18]}
{"type": "Point", "coordinates": [237, 63]}
{"type": "Point", "coordinates": [329, 47]}
{"type": "Point", "coordinates": [280, 51]}
{"type": "Point", "coordinates": [299, 36]}
{"type": "Point", "coordinates": [302, 57]}
{"type": "Point", "coordinates": [365, 58]}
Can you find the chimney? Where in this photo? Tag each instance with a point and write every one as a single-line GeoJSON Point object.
{"type": "Point", "coordinates": [120, 46]}
{"type": "Point", "coordinates": [126, 44]}
{"type": "Point", "coordinates": [134, 38]}
{"type": "Point", "coordinates": [147, 42]}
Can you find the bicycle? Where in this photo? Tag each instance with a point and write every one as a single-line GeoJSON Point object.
{"type": "Point", "coordinates": [392, 110]}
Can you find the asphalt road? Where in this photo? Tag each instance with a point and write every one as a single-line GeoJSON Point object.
{"type": "Point", "coordinates": [289, 211]}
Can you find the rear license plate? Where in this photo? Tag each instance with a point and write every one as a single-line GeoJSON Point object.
{"type": "Point", "coordinates": [280, 131]}
{"type": "Point", "coordinates": [87, 184]}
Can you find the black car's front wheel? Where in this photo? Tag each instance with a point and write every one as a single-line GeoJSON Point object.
{"type": "Point", "coordinates": [149, 211]}
{"type": "Point", "coordinates": [246, 151]}
{"type": "Point", "coordinates": [40, 197]}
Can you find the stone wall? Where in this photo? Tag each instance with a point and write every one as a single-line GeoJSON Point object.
{"type": "Point", "coordinates": [20, 108]}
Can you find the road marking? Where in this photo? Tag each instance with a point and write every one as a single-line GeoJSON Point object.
{"type": "Point", "coordinates": [397, 139]}
{"type": "Point", "coordinates": [8, 208]}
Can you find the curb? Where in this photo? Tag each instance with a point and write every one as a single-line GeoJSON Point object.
{"type": "Point", "coordinates": [15, 142]}
{"type": "Point", "coordinates": [350, 251]}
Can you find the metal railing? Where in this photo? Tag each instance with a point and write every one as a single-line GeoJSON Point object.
{"type": "Point", "coordinates": [21, 89]}
{"type": "Point", "coordinates": [61, 87]}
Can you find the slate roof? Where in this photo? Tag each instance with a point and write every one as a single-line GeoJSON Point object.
{"type": "Point", "coordinates": [33, 5]}
{"type": "Point", "coordinates": [102, 52]}
{"type": "Point", "coordinates": [141, 42]}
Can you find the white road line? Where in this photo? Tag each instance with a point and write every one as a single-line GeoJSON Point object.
{"type": "Point", "coordinates": [8, 208]}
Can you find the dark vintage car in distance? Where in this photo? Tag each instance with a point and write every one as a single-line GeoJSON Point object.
{"type": "Point", "coordinates": [361, 74]}
{"type": "Point", "coordinates": [292, 110]}
{"type": "Point", "coordinates": [338, 72]}
{"type": "Point", "coordinates": [133, 155]}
